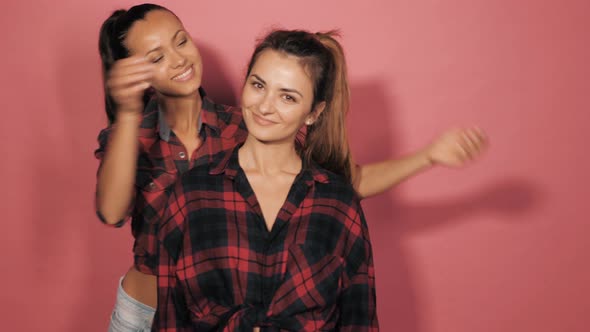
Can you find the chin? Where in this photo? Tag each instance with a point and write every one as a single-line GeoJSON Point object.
{"type": "Point", "coordinates": [264, 136]}
{"type": "Point", "coordinates": [191, 87]}
{"type": "Point", "coordinates": [261, 136]}
{"type": "Point", "coordinates": [185, 91]}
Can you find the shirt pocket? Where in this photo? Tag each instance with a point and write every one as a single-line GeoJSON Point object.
{"type": "Point", "coordinates": [312, 281]}
{"type": "Point", "coordinates": [154, 180]}
{"type": "Point", "coordinates": [152, 186]}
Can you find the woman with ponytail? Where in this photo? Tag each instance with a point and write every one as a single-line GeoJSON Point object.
{"type": "Point", "coordinates": [271, 236]}
{"type": "Point", "coordinates": [161, 124]}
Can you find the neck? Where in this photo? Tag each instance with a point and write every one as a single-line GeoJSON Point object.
{"type": "Point", "coordinates": [182, 114]}
{"type": "Point", "coordinates": [269, 158]}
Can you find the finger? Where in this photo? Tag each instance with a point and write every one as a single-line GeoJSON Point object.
{"type": "Point", "coordinates": [474, 142]}
{"type": "Point", "coordinates": [124, 81]}
{"type": "Point", "coordinates": [131, 61]}
{"type": "Point", "coordinates": [481, 135]}
{"type": "Point", "coordinates": [129, 93]}
{"type": "Point", "coordinates": [137, 69]}
{"type": "Point", "coordinates": [467, 148]}
{"type": "Point", "coordinates": [470, 142]}
{"type": "Point", "coordinates": [140, 87]}
{"type": "Point", "coordinates": [479, 138]}
{"type": "Point", "coordinates": [119, 71]}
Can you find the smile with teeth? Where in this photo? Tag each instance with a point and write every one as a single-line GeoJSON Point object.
{"type": "Point", "coordinates": [187, 74]}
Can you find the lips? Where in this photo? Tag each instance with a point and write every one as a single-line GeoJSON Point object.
{"type": "Point", "coordinates": [261, 121]}
{"type": "Point", "coordinates": [185, 75]}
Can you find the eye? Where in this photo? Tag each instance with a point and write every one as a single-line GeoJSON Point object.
{"type": "Point", "coordinates": [289, 98]}
{"type": "Point", "coordinates": [182, 42]}
{"type": "Point", "coordinates": [257, 85]}
{"type": "Point", "coordinates": [158, 59]}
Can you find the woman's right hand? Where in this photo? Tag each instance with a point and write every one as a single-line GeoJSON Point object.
{"type": "Point", "coordinates": [127, 81]}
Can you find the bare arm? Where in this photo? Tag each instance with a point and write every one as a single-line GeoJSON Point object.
{"type": "Point", "coordinates": [116, 176]}
{"type": "Point", "coordinates": [373, 179]}
{"type": "Point", "coordinates": [126, 83]}
{"type": "Point", "coordinates": [454, 148]}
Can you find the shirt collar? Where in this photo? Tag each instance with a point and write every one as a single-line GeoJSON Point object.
{"type": "Point", "coordinates": [208, 116]}
{"type": "Point", "coordinates": [229, 165]}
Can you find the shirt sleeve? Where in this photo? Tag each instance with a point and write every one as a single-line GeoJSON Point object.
{"type": "Point", "coordinates": [358, 300]}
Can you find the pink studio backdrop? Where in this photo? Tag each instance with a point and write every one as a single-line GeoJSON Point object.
{"type": "Point", "coordinates": [501, 245]}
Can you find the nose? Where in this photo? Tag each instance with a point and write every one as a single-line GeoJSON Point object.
{"type": "Point", "coordinates": [177, 60]}
{"type": "Point", "coordinates": [265, 106]}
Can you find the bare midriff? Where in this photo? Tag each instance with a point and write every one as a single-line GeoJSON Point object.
{"type": "Point", "coordinates": [141, 287]}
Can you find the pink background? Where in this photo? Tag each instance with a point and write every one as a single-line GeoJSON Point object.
{"type": "Point", "coordinates": [501, 245]}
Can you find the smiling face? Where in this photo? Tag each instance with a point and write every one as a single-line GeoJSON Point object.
{"type": "Point", "coordinates": [277, 98]}
{"type": "Point", "coordinates": [162, 39]}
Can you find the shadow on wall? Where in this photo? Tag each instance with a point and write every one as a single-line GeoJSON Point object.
{"type": "Point", "coordinates": [372, 139]}
{"type": "Point", "coordinates": [392, 220]}
{"type": "Point", "coordinates": [216, 81]}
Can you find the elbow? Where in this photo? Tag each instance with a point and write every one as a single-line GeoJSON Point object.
{"type": "Point", "coordinates": [109, 216]}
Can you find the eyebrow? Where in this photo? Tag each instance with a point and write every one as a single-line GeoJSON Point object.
{"type": "Point", "coordinates": [159, 47]}
{"type": "Point", "coordinates": [282, 89]}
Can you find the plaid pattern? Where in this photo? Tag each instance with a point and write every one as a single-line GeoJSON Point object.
{"type": "Point", "coordinates": [162, 158]}
{"type": "Point", "coordinates": [222, 270]}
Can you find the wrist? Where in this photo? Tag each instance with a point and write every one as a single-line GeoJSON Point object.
{"type": "Point", "coordinates": [426, 158]}
{"type": "Point", "coordinates": [128, 117]}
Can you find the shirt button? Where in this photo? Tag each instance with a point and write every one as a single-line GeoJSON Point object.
{"type": "Point", "coordinates": [152, 185]}
{"type": "Point", "coordinates": [182, 155]}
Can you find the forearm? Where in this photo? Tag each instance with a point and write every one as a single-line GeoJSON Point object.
{"type": "Point", "coordinates": [375, 178]}
{"type": "Point", "coordinates": [116, 177]}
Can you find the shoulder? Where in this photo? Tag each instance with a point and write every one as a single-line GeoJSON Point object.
{"type": "Point", "coordinates": [225, 114]}
{"type": "Point", "coordinates": [147, 124]}
{"type": "Point", "coordinates": [228, 119]}
{"type": "Point", "coordinates": [334, 186]}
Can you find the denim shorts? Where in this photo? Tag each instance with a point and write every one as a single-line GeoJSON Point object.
{"type": "Point", "coordinates": [129, 314]}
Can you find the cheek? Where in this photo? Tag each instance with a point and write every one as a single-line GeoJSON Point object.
{"type": "Point", "coordinates": [295, 116]}
{"type": "Point", "coordinates": [192, 52]}
{"type": "Point", "coordinates": [249, 97]}
{"type": "Point", "coordinates": [160, 77]}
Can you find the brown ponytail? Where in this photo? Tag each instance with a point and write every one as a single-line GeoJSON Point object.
{"type": "Point", "coordinates": [327, 139]}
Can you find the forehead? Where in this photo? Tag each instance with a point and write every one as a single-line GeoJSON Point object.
{"type": "Point", "coordinates": [156, 28]}
{"type": "Point", "coordinates": [279, 67]}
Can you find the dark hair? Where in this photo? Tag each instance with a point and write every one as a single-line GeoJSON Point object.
{"type": "Point", "coordinates": [110, 43]}
{"type": "Point", "coordinates": [322, 56]}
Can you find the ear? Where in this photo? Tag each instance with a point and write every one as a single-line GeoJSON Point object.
{"type": "Point", "coordinates": [313, 116]}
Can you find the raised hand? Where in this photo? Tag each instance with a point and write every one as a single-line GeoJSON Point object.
{"type": "Point", "coordinates": [456, 147]}
{"type": "Point", "coordinates": [127, 80]}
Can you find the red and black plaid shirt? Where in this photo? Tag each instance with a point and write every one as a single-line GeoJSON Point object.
{"type": "Point", "coordinates": [162, 157]}
{"type": "Point", "coordinates": [222, 270]}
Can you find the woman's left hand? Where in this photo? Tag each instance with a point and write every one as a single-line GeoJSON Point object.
{"type": "Point", "coordinates": [456, 147]}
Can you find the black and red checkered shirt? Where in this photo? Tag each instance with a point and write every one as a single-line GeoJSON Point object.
{"type": "Point", "coordinates": [222, 270]}
{"type": "Point", "coordinates": [162, 157]}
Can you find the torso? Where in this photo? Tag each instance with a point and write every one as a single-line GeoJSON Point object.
{"type": "Point", "coordinates": [158, 170]}
{"type": "Point", "coordinates": [314, 224]}
{"type": "Point", "coordinates": [271, 193]}
{"type": "Point", "coordinates": [141, 286]}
